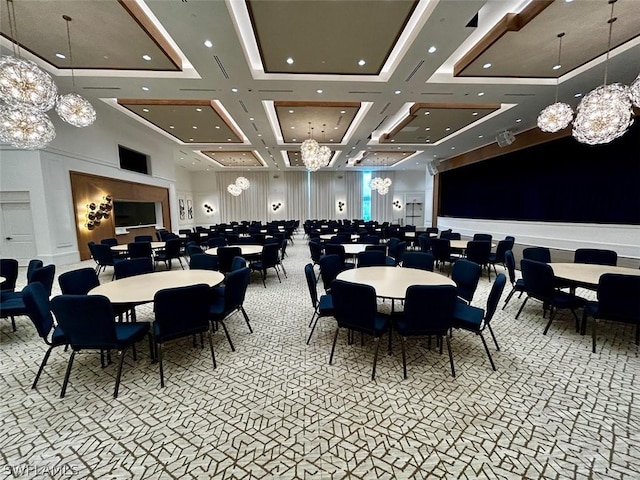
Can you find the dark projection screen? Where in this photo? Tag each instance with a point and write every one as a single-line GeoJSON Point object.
{"type": "Point", "coordinates": [129, 214]}
{"type": "Point", "coordinates": [559, 181]}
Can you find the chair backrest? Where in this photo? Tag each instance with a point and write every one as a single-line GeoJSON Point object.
{"type": "Point", "coordinates": [335, 249]}
{"type": "Point", "coordinates": [420, 260]}
{"type": "Point", "coordinates": [9, 270]}
{"type": "Point", "coordinates": [225, 257]}
{"type": "Point", "coordinates": [184, 231]}
{"type": "Point", "coordinates": [371, 258]}
{"type": "Point", "coordinates": [354, 305]}
{"type": "Point", "coordinates": [428, 310]}
{"type": "Point", "coordinates": [330, 267]}
{"type": "Point", "coordinates": [315, 249]}
{"type": "Point", "coordinates": [380, 247]}
{"type": "Point", "coordinates": [78, 282]}
{"type": "Point", "coordinates": [181, 311]}
{"type": "Point", "coordinates": [441, 248]}
{"type": "Point", "coordinates": [466, 274]}
{"type": "Point", "coordinates": [270, 256]}
{"type": "Point", "coordinates": [45, 276]}
{"type": "Point", "coordinates": [172, 247]}
{"type": "Point", "coordinates": [238, 263]}
{"type": "Point", "coordinates": [139, 249]}
{"type": "Point", "coordinates": [596, 256]}
{"type": "Point", "coordinates": [213, 242]}
{"type": "Point", "coordinates": [132, 267]}
{"type": "Point", "coordinates": [483, 237]}
{"type": "Point", "coordinates": [235, 288]}
{"type": "Point", "coordinates": [102, 254]}
{"type": "Point", "coordinates": [193, 248]}
{"type": "Point", "coordinates": [539, 281]}
{"type": "Point", "coordinates": [478, 251]}
{"type": "Point", "coordinates": [392, 246]}
{"type": "Point", "coordinates": [38, 307]}
{"type": "Point", "coordinates": [618, 298]}
{"type": "Point", "coordinates": [510, 263]}
{"type": "Point", "coordinates": [494, 297]}
{"type": "Point", "coordinates": [312, 283]}
{"type": "Point", "coordinates": [501, 248]}
{"type": "Point", "coordinates": [370, 239]}
{"type": "Point", "coordinates": [283, 248]}
{"type": "Point", "coordinates": [143, 238]}
{"type": "Point", "coordinates": [203, 261]}
{"type": "Point", "coordinates": [431, 230]}
{"type": "Point", "coordinates": [109, 241]}
{"type": "Point", "coordinates": [87, 320]}
{"type": "Point", "coordinates": [400, 251]}
{"type": "Point", "coordinates": [33, 264]}
{"type": "Point", "coordinates": [538, 254]}
{"type": "Point", "coordinates": [425, 242]}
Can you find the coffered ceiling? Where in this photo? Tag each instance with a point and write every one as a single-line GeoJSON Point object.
{"type": "Point", "coordinates": [238, 84]}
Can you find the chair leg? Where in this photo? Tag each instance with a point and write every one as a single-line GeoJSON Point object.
{"type": "Point", "coordinates": [313, 317]}
{"type": "Point", "coordinates": [593, 336]}
{"type": "Point", "coordinates": [508, 298]}
{"type": "Point", "coordinates": [213, 355]}
{"type": "Point", "coordinates": [159, 350]}
{"type": "Point", "coordinates": [552, 313]}
{"type": "Point", "coordinates": [13, 323]}
{"type": "Point", "coordinates": [276, 269]}
{"type": "Point", "coordinates": [44, 362]}
{"type": "Point", "coordinates": [226, 332]}
{"type": "Point", "coordinates": [152, 352]}
{"type": "Point", "coordinates": [67, 374]}
{"type": "Point", "coordinates": [119, 374]}
{"type": "Point", "coordinates": [375, 358]}
{"type": "Point", "coordinates": [453, 371]}
{"type": "Point", "coordinates": [494, 337]}
{"type": "Point", "coordinates": [313, 327]}
{"type": "Point", "coordinates": [522, 306]}
{"type": "Point", "coordinates": [246, 318]}
{"type": "Point", "coordinates": [404, 357]}
{"type": "Point", "coordinates": [333, 347]}
{"type": "Point", "coordinates": [486, 348]}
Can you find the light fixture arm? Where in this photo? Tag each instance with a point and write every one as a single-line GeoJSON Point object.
{"type": "Point", "coordinates": [68, 19]}
{"type": "Point", "coordinates": [611, 21]}
{"type": "Point", "coordinates": [560, 35]}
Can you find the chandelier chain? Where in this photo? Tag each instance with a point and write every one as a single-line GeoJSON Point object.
{"type": "Point", "coordinates": [611, 21]}
{"type": "Point", "coordinates": [67, 19]}
{"type": "Point", "coordinates": [560, 35]}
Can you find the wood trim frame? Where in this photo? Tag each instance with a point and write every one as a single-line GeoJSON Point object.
{"type": "Point", "coordinates": [87, 188]}
{"type": "Point", "coordinates": [511, 22]}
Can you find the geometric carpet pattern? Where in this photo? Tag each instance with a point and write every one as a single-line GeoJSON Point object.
{"type": "Point", "coordinates": [275, 408]}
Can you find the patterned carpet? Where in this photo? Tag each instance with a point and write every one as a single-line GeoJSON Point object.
{"type": "Point", "coordinates": [275, 408]}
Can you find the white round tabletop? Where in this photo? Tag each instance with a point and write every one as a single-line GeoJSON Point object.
{"type": "Point", "coordinates": [125, 247]}
{"type": "Point", "coordinates": [354, 248]}
{"type": "Point", "coordinates": [392, 282]}
{"type": "Point", "coordinates": [462, 244]}
{"type": "Point", "coordinates": [587, 274]}
{"type": "Point", "coordinates": [244, 250]}
{"type": "Point", "coordinates": [142, 288]}
{"type": "Point", "coordinates": [329, 236]}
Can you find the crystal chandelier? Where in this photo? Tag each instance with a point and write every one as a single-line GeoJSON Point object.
{"type": "Point", "coordinates": [558, 115]}
{"type": "Point", "coordinates": [234, 190]}
{"type": "Point", "coordinates": [314, 156]}
{"type": "Point", "coordinates": [72, 108]}
{"type": "Point", "coordinates": [25, 127]}
{"type": "Point", "coordinates": [634, 90]}
{"type": "Point", "coordinates": [22, 83]}
{"type": "Point", "coordinates": [381, 185]}
{"type": "Point", "coordinates": [242, 183]}
{"type": "Point", "coordinates": [605, 113]}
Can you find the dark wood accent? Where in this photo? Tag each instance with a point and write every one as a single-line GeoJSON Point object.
{"type": "Point", "coordinates": [87, 188]}
{"type": "Point", "coordinates": [147, 25]}
{"type": "Point", "coordinates": [511, 22]}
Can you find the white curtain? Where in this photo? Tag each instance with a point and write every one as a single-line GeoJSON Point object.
{"type": "Point", "coordinates": [323, 197]}
{"type": "Point", "coordinates": [353, 192]}
{"type": "Point", "coordinates": [382, 205]}
{"type": "Point", "coordinates": [296, 196]}
{"type": "Point", "coordinates": [251, 204]}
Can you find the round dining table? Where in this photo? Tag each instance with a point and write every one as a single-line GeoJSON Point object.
{"type": "Point", "coordinates": [124, 247]}
{"type": "Point", "coordinates": [587, 275]}
{"type": "Point", "coordinates": [245, 250]}
{"type": "Point", "coordinates": [352, 249]}
{"type": "Point", "coordinates": [142, 288]}
{"type": "Point", "coordinates": [392, 282]}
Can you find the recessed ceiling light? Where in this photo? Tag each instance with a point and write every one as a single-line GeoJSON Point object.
{"type": "Point", "coordinates": [146, 57]}
{"type": "Point", "coordinates": [474, 113]}
{"type": "Point", "coordinates": [453, 148]}
{"type": "Point", "coordinates": [486, 65]}
{"type": "Point", "coordinates": [228, 139]}
{"type": "Point", "coordinates": [208, 43]}
{"type": "Point", "coordinates": [480, 94]}
{"type": "Point", "coordinates": [290, 61]}
{"type": "Point", "coordinates": [427, 141]}
{"type": "Point", "coordinates": [193, 163]}
{"type": "Point", "coordinates": [335, 128]}
{"type": "Point", "coordinates": [145, 110]}
{"type": "Point", "coordinates": [392, 140]}
{"type": "Point", "coordinates": [343, 111]}
{"type": "Point", "coordinates": [518, 120]}
{"type": "Point", "coordinates": [181, 158]}
{"type": "Point", "coordinates": [480, 136]}
{"type": "Point", "coordinates": [191, 139]}
{"type": "Point", "coordinates": [557, 67]}
{"type": "Point", "coordinates": [577, 95]}
{"type": "Point", "coordinates": [293, 127]}
{"type": "Point", "coordinates": [427, 129]}
{"type": "Point", "coordinates": [431, 49]}
{"type": "Point", "coordinates": [195, 127]}
{"type": "Point", "coordinates": [361, 62]}
{"type": "Point", "coordinates": [234, 90]}
{"type": "Point", "coordinates": [427, 112]}
{"type": "Point", "coordinates": [291, 111]}
{"type": "Point", "coordinates": [447, 129]}
{"type": "Point", "coordinates": [146, 89]}
{"type": "Point", "coordinates": [319, 91]}
{"type": "Point", "coordinates": [397, 92]}
{"type": "Point", "coordinates": [293, 139]}
{"type": "Point", "coordinates": [198, 109]}
{"type": "Point", "coordinates": [60, 55]}
{"type": "Point", "coordinates": [251, 118]}
{"type": "Point", "coordinates": [171, 127]}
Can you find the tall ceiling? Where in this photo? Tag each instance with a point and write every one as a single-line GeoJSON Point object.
{"type": "Point", "coordinates": [384, 83]}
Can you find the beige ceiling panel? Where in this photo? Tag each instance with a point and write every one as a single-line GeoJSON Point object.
{"type": "Point", "coordinates": [295, 159]}
{"type": "Point", "coordinates": [231, 159]}
{"type": "Point", "coordinates": [191, 121]}
{"type": "Point", "coordinates": [105, 34]}
{"type": "Point", "coordinates": [297, 119]}
{"type": "Point", "coordinates": [526, 45]}
{"type": "Point", "coordinates": [381, 158]}
{"type": "Point", "coordinates": [337, 34]}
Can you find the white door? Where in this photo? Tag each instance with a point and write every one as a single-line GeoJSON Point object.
{"type": "Point", "coordinates": [17, 239]}
{"type": "Point", "coordinates": [414, 209]}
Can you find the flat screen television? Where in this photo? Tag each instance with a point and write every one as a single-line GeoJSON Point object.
{"type": "Point", "coordinates": [130, 214]}
{"type": "Point", "coordinates": [132, 160]}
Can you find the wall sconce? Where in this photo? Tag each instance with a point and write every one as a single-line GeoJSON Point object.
{"type": "Point", "coordinates": [397, 204]}
{"type": "Point", "coordinates": [276, 206]}
{"type": "Point", "coordinates": [341, 205]}
{"type": "Point", "coordinates": [96, 212]}
{"type": "Point", "coordinates": [208, 209]}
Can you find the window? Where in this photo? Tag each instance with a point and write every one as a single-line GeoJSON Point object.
{"type": "Point", "coordinates": [366, 196]}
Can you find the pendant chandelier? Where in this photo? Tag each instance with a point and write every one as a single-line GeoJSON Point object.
{"type": "Point", "coordinates": [314, 156]}
{"type": "Point", "coordinates": [558, 115]}
{"type": "Point", "coordinates": [241, 184]}
{"type": "Point", "coordinates": [606, 112]}
{"type": "Point", "coordinates": [380, 185]}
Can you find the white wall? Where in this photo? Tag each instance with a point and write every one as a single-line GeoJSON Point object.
{"type": "Point", "coordinates": [94, 150]}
